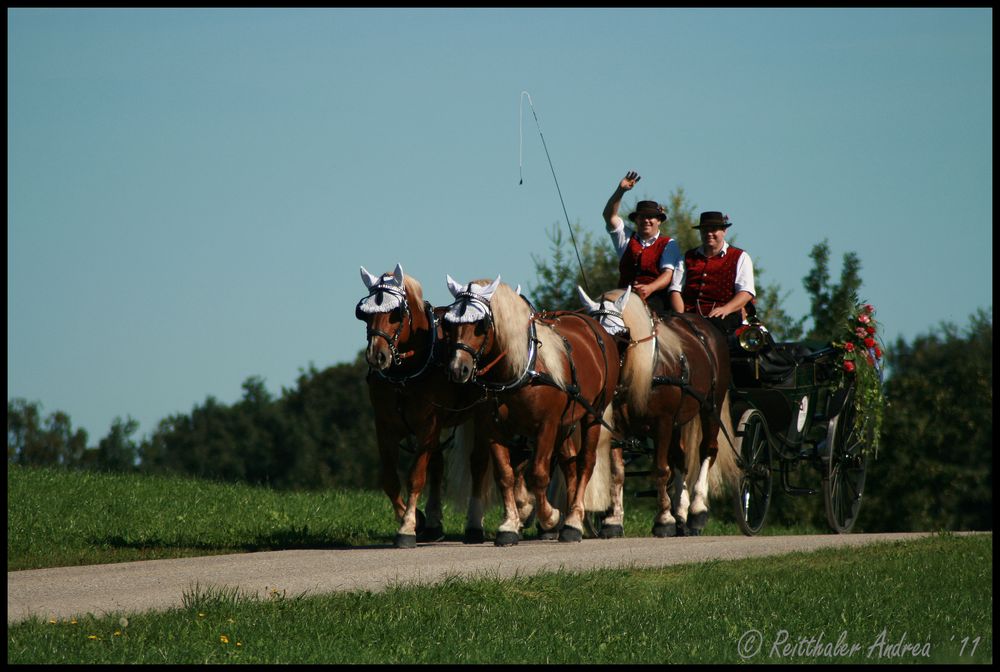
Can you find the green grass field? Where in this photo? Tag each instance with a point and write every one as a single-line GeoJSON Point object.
{"type": "Point", "coordinates": [922, 601]}
{"type": "Point", "coordinates": [57, 518]}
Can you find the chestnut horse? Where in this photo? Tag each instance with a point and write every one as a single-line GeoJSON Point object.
{"type": "Point", "coordinates": [412, 396]}
{"type": "Point", "coordinates": [675, 390]}
{"type": "Point", "coordinates": [545, 375]}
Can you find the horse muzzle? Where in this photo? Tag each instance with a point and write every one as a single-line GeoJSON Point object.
{"type": "Point", "coordinates": [378, 355]}
{"type": "Point", "coordinates": [461, 368]}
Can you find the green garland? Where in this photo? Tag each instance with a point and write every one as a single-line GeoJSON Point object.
{"type": "Point", "coordinates": [861, 360]}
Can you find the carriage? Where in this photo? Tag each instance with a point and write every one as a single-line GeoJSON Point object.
{"type": "Point", "coordinates": [793, 405]}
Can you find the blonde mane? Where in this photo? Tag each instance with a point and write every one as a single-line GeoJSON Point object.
{"type": "Point", "coordinates": [416, 292]}
{"type": "Point", "coordinates": [641, 362]}
{"type": "Point", "coordinates": [511, 317]}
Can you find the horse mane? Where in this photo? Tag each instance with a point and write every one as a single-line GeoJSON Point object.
{"type": "Point", "coordinates": [414, 291]}
{"type": "Point", "coordinates": [641, 363]}
{"type": "Point", "coordinates": [511, 317]}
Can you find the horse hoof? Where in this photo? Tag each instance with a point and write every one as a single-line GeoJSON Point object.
{"type": "Point", "coordinates": [548, 535]}
{"type": "Point", "coordinates": [473, 535]}
{"type": "Point", "coordinates": [405, 541]}
{"type": "Point", "coordinates": [666, 530]}
{"type": "Point", "coordinates": [570, 534]}
{"type": "Point", "coordinates": [507, 539]}
{"type": "Point", "coordinates": [682, 530]}
{"type": "Point", "coordinates": [693, 532]}
{"type": "Point", "coordinates": [611, 532]}
{"type": "Point", "coordinates": [697, 521]}
{"type": "Point", "coordinates": [431, 534]}
{"type": "Point", "coordinates": [421, 521]}
{"type": "Point", "coordinates": [553, 533]}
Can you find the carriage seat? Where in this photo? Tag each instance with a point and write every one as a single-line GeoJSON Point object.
{"type": "Point", "coordinates": [776, 363]}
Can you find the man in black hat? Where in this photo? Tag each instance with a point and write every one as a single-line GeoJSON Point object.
{"type": "Point", "coordinates": [714, 280]}
{"type": "Point", "coordinates": [647, 258]}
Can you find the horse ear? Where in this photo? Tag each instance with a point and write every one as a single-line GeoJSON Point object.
{"type": "Point", "coordinates": [623, 300]}
{"type": "Point", "coordinates": [518, 290]}
{"type": "Point", "coordinates": [367, 278]}
{"type": "Point", "coordinates": [453, 286]}
{"type": "Point", "coordinates": [398, 275]}
{"type": "Point", "coordinates": [592, 306]}
{"type": "Point", "coordinates": [490, 289]}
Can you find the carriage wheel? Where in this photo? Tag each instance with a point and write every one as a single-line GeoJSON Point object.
{"type": "Point", "coordinates": [847, 463]}
{"type": "Point", "coordinates": [753, 495]}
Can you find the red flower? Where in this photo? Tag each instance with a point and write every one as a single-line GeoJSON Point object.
{"type": "Point", "coordinates": [869, 342]}
{"type": "Point", "coordinates": [849, 366]}
{"type": "Point", "coordinates": [864, 319]}
{"type": "Point", "coordinates": [849, 346]}
{"type": "Point", "coordinates": [869, 308]}
{"type": "Point", "coordinates": [878, 352]}
{"type": "Point", "coordinates": [870, 329]}
{"type": "Point", "coordinates": [860, 331]}
{"type": "Point", "coordinates": [871, 360]}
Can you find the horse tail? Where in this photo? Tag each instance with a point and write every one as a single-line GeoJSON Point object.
{"type": "Point", "coordinates": [724, 473]}
{"type": "Point", "coordinates": [597, 496]}
{"type": "Point", "coordinates": [458, 484]}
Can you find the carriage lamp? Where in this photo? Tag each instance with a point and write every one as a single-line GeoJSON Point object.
{"type": "Point", "coordinates": [752, 337]}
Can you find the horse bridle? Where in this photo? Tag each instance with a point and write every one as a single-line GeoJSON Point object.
{"type": "Point", "coordinates": [393, 340]}
{"type": "Point", "coordinates": [625, 336]}
{"type": "Point", "coordinates": [484, 347]}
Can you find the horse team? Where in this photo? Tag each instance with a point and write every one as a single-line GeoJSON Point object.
{"type": "Point", "coordinates": [527, 391]}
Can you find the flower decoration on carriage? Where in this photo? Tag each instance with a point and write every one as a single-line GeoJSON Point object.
{"type": "Point", "coordinates": [861, 362]}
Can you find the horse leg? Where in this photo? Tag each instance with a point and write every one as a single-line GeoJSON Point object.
{"type": "Point", "coordinates": [388, 451]}
{"type": "Point", "coordinates": [681, 498]}
{"type": "Point", "coordinates": [562, 483]}
{"type": "Point", "coordinates": [586, 458]}
{"type": "Point", "coordinates": [434, 526]}
{"type": "Point", "coordinates": [667, 477]}
{"type": "Point", "coordinates": [547, 515]}
{"type": "Point", "coordinates": [614, 522]}
{"type": "Point", "coordinates": [522, 496]}
{"type": "Point", "coordinates": [479, 463]}
{"type": "Point", "coordinates": [568, 453]}
{"type": "Point", "coordinates": [707, 450]}
{"type": "Point", "coordinates": [509, 531]}
{"type": "Point", "coordinates": [406, 536]}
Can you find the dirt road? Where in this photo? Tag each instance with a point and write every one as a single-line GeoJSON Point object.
{"type": "Point", "coordinates": [161, 584]}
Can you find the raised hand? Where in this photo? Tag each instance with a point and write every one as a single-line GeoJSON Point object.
{"type": "Point", "coordinates": [629, 180]}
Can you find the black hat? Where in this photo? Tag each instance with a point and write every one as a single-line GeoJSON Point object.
{"type": "Point", "coordinates": [649, 208]}
{"type": "Point", "coordinates": [713, 219]}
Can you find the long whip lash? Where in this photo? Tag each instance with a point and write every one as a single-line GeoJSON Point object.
{"type": "Point", "coordinates": [583, 275]}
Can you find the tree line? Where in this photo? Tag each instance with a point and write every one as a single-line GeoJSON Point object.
{"type": "Point", "coordinates": [933, 471]}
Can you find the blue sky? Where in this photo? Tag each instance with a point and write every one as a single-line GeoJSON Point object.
{"type": "Point", "coordinates": [191, 192]}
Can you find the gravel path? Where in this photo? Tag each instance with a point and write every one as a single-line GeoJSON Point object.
{"type": "Point", "coordinates": [160, 584]}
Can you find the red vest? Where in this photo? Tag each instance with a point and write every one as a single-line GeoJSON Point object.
{"type": "Point", "coordinates": [640, 263]}
{"type": "Point", "coordinates": [708, 281]}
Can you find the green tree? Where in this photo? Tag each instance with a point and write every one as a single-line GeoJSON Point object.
{"type": "Point", "coordinates": [831, 304]}
{"type": "Point", "coordinates": [935, 467]}
{"type": "Point", "coordinates": [118, 451]}
{"type": "Point", "coordinates": [52, 443]}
